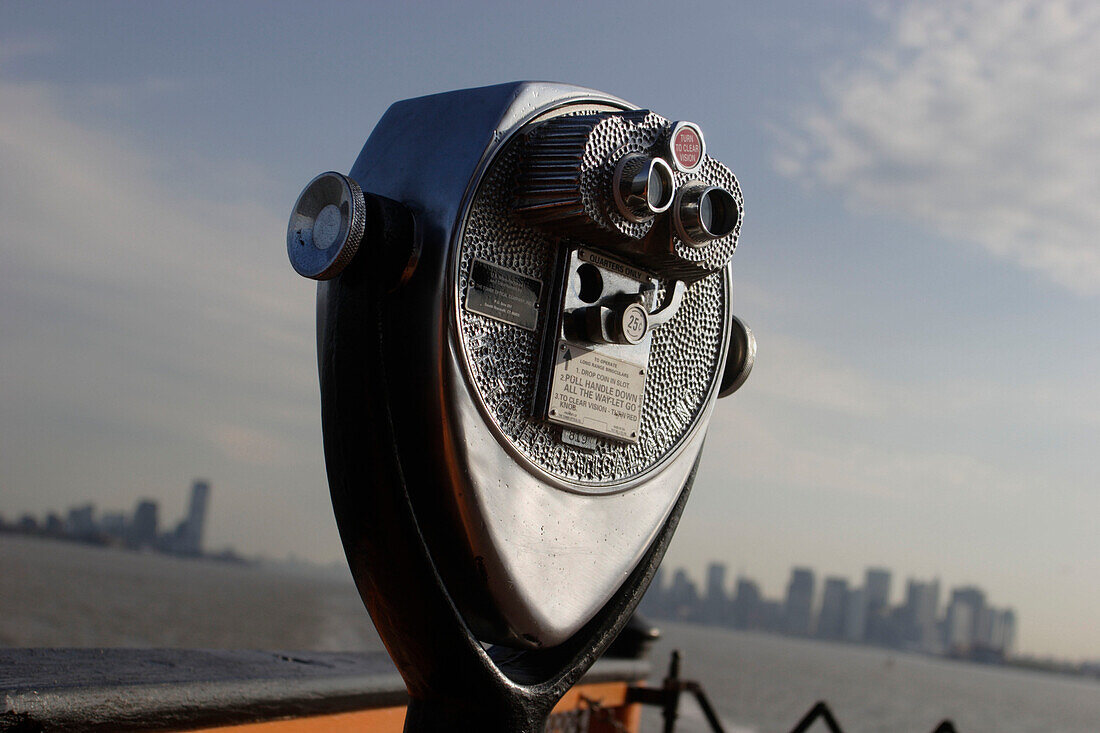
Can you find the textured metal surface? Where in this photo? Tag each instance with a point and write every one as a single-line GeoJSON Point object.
{"type": "Point", "coordinates": [565, 181]}
{"type": "Point", "coordinates": [326, 226]}
{"type": "Point", "coordinates": [502, 359]}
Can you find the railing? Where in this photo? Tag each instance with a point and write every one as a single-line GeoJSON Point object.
{"type": "Point", "coordinates": [667, 697]}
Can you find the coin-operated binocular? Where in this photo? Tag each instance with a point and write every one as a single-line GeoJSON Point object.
{"type": "Point", "coordinates": [524, 320]}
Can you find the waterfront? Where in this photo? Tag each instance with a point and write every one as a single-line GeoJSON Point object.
{"type": "Point", "coordinates": [60, 594]}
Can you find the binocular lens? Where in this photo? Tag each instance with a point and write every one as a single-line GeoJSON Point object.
{"type": "Point", "coordinates": [718, 212]}
{"type": "Point", "coordinates": [705, 213]}
{"type": "Point", "coordinates": [660, 187]}
{"type": "Point", "coordinates": [643, 187]}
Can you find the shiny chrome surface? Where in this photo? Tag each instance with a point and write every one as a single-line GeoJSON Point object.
{"type": "Point", "coordinates": [642, 187]}
{"type": "Point", "coordinates": [553, 555]}
{"type": "Point", "coordinates": [326, 226]}
{"type": "Point", "coordinates": [741, 357]}
{"type": "Point", "coordinates": [548, 550]}
{"type": "Point", "coordinates": [704, 213]}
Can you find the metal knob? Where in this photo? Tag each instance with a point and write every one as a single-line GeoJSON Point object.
{"type": "Point", "coordinates": [326, 226]}
{"type": "Point", "coordinates": [739, 358]}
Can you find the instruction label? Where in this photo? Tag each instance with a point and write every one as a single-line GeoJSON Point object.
{"type": "Point", "coordinates": [596, 392]}
{"type": "Point", "coordinates": [503, 294]}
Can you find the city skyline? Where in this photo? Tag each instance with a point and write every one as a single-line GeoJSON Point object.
{"type": "Point", "coordinates": [918, 262]}
{"type": "Point", "coordinates": [141, 530]}
{"type": "Point", "coordinates": [966, 625]}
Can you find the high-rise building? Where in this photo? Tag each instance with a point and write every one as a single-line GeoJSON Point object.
{"type": "Point", "coordinates": [715, 603]}
{"type": "Point", "coordinates": [855, 615]}
{"type": "Point", "coordinates": [683, 597]}
{"type": "Point", "coordinates": [196, 517]}
{"type": "Point", "coordinates": [187, 538]}
{"type": "Point", "coordinates": [972, 599]}
{"type": "Point", "coordinates": [1008, 632]}
{"type": "Point", "coordinates": [746, 604]}
{"type": "Point", "coordinates": [919, 614]}
{"type": "Point", "coordinates": [830, 622]}
{"type": "Point", "coordinates": [81, 521]}
{"type": "Point", "coordinates": [143, 528]}
{"type": "Point", "coordinates": [959, 627]}
{"type": "Point", "coordinates": [876, 585]}
{"type": "Point", "coordinates": [798, 608]}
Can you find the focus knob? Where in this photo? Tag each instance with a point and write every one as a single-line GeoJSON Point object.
{"type": "Point", "coordinates": [326, 226]}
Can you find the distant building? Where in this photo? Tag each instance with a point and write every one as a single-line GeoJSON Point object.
{"type": "Point", "coordinates": [1008, 632]}
{"type": "Point", "coordinates": [683, 597]}
{"type": "Point", "coordinates": [769, 616]}
{"type": "Point", "coordinates": [964, 636]}
{"type": "Point", "coordinates": [830, 622]}
{"type": "Point", "coordinates": [143, 527]}
{"type": "Point", "coordinates": [746, 604]}
{"type": "Point", "coordinates": [855, 615]}
{"type": "Point", "coordinates": [54, 525]}
{"type": "Point", "coordinates": [196, 518]}
{"type": "Point", "coordinates": [876, 585]}
{"type": "Point", "coordinates": [113, 524]}
{"type": "Point", "coordinates": [919, 615]}
{"type": "Point", "coordinates": [959, 627]}
{"type": "Point", "coordinates": [798, 608]}
{"type": "Point", "coordinates": [187, 537]}
{"type": "Point", "coordinates": [81, 521]}
{"type": "Point", "coordinates": [715, 604]}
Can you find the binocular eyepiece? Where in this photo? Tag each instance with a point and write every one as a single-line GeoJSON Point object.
{"type": "Point", "coordinates": [636, 184]}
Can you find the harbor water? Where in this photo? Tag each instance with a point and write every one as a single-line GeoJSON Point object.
{"type": "Point", "coordinates": [61, 594]}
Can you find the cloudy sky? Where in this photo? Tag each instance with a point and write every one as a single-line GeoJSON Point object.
{"type": "Point", "coordinates": [919, 262]}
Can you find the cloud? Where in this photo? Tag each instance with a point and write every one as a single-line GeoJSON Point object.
{"type": "Point", "coordinates": [979, 120]}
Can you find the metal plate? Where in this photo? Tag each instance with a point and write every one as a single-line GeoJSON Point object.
{"type": "Point", "coordinates": [596, 392]}
{"type": "Point", "coordinates": [503, 294]}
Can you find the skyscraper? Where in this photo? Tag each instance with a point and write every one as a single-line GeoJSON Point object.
{"type": "Point", "coordinates": [855, 615]}
{"type": "Point", "coordinates": [920, 612]}
{"type": "Point", "coordinates": [187, 539]}
{"type": "Point", "coordinates": [1008, 632]}
{"type": "Point", "coordinates": [798, 609]}
{"type": "Point", "coordinates": [972, 599]}
{"type": "Point", "coordinates": [715, 604]}
{"type": "Point", "coordinates": [683, 597]}
{"type": "Point", "coordinates": [746, 604]}
{"type": "Point", "coordinates": [143, 527]}
{"type": "Point", "coordinates": [877, 587]}
{"type": "Point", "coordinates": [830, 623]}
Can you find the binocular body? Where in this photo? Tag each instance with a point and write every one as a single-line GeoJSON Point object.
{"type": "Point", "coordinates": [523, 327]}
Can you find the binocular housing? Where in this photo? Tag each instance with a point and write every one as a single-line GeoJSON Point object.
{"type": "Point", "coordinates": [524, 321]}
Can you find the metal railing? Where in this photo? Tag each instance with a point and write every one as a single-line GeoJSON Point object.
{"type": "Point", "coordinates": [667, 697]}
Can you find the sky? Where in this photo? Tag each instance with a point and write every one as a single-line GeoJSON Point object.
{"type": "Point", "coordinates": [918, 262]}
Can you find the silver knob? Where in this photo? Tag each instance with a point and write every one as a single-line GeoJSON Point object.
{"type": "Point", "coordinates": [326, 226]}
{"type": "Point", "coordinates": [739, 359]}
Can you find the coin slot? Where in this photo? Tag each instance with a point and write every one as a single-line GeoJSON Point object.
{"type": "Point", "coordinates": [589, 283]}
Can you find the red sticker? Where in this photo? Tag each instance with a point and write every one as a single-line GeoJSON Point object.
{"type": "Point", "coordinates": [687, 148]}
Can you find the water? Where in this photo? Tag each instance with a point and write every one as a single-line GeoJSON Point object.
{"type": "Point", "coordinates": [58, 594]}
